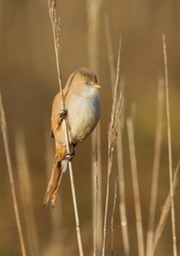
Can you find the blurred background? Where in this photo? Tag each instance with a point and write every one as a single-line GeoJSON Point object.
{"type": "Point", "coordinates": [28, 82]}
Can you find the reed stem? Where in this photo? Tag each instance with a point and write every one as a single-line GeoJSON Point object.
{"type": "Point", "coordinates": [55, 23]}
{"type": "Point", "coordinates": [173, 220]}
{"type": "Point", "coordinates": [11, 178]}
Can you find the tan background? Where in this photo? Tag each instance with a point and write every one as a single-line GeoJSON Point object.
{"type": "Point", "coordinates": [28, 82]}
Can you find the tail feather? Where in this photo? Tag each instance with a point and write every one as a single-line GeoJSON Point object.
{"type": "Point", "coordinates": [53, 185]}
{"type": "Point", "coordinates": [52, 191]}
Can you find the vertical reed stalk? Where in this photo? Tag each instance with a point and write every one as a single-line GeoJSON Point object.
{"type": "Point", "coordinates": [156, 164]}
{"type": "Point", "coordinates": [122, 204]}
{"type": "Point", "coordinates": [112, 216]}
{"type": "Point", "coordinates": [56, 244]}
{"type": "Point", "coordinates": [136, 193]}
{"type": "Point", "coordinates": [26, 194]}
{"type": "Point", "coordinates": [112, 141]}
{"type": "Point", "coordinates": [93, 16]}
{"type": "Point", "coordinates": [164, 214]}
{"type": "Point", "coordinates": [52, 6]}
{"type": "Point", "coordinates": [11, 178]}
{"type": "Point", "coordinates": [173, 220]}
{"type": "Point", "coordinates": [110, 51]}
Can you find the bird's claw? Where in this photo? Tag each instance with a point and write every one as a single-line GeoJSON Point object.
{"type": "Point", "coordinates": [63, 113]}
{"type": "Point", "coordinates": [69, 156]}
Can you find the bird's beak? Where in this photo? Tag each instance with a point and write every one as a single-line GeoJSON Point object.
{"type": "Point", "coordinates": [96, 86]}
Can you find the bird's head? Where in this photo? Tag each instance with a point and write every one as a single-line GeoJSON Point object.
{"type": "Point", "coordinates": [83, 81]}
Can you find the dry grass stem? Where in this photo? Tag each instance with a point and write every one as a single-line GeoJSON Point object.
{"type": "Point", "coordinates": [11, 178]}
{"type": "Point", "coordinates": [78, 229]}
{"type": "Point", "coordinates": [94, 16]}
{"type": "Point", "coordinates": [136, 193]}
{"type": "Point", "coordinates": [122, 195]}
{"type": "Point", "coordinates": [122, 205]}
{"type": "Point", "coordinates": [112, 141]}
{"type": "Point", "coordinates": [110, 51]}
{"type": "Point", "coordinates": [52, 6]}
{"type": "Point", "coordinates": [133, 111]}
{"type": "Point", "coordinates": [164, 214]}
{"type": "Point", "coordinates": [26, 194]}
{"type": "Point", "coordinates": [93, 22]}
{"type": "Point", "coordinates": [117, 78]}
{"type": "Point", "coordinates": [156, 164]}
{"type": "Point", "coordinates": [173, 220]}
{"type": "Point", "coordinates": [112, 216]}
{"type": "Point", "coordinates": [55, 24]}
{"type": "Point", "coordinates": [56, 244]}
{"type": "Point", "coordinates": [96, 190]}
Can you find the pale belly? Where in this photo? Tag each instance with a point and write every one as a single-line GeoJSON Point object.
{"type": "Point", "coordinates": [82, 119]}
{"type": "Point", "coordinates": [83, 116]}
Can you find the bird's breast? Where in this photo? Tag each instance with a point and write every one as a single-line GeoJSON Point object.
{"type": "Point", "coordinates": [83, 115]}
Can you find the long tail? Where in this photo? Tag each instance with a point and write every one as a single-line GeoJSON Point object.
{"type": "Point", "coordinates": [52, 191]}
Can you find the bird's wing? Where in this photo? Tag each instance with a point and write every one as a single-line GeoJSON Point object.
{"type": "Point", "coordinates": [51, 133]}
{"type": "Point", "coordinates": [56, 116]}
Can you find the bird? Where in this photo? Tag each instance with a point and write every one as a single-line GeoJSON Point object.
{"type": "Point", "coordinates": [82, 111]}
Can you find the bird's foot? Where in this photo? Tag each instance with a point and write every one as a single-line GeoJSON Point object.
{"type": "Point", "coordinates": [63, 113]}
{"type": "Point", "coordinates": [69, 156]}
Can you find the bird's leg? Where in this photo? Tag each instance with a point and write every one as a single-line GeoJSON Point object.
{"type": "Point", "coordinates": [62, 115]}
{"type": "Point", "coordinates": [69, 156]}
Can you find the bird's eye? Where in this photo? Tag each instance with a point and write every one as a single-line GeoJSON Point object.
{"type": "Point", "coordinates": [87, 83]}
